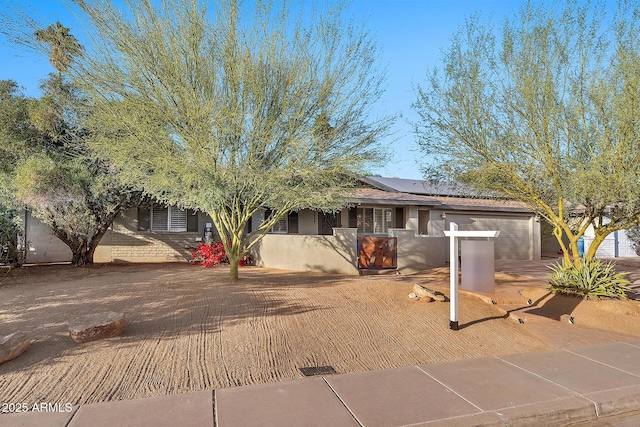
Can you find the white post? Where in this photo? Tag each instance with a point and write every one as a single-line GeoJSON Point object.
{"type": "Point", "coordinates": [454, 234]}
{"type": "Point", "coordinates": [453, 282]}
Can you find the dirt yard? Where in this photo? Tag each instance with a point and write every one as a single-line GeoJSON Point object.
{"type": "Point", "coordinates": [190, 328]}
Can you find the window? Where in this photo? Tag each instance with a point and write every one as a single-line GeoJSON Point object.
{"type": "Point", "coordinates": [162, 218]}
{"type": "Point", "coordinates": [281, 226]}
{"type": "Point", "coordinates": [288, 224]}
{"type": "Point", "coordinates": [168, 219]}
{"type": "Point", "coordinates": [374, 220]}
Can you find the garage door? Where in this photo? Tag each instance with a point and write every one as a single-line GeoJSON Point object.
{"type": "Point", "coordinates": [42, 246]}
{"type": "Point", "coordinates": [514, 241]}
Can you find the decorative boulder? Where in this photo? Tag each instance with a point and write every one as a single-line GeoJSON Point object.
{"type": "Point", "coordinates": [426, 293]}
{"type": "Point", "coordinates": [92, 327]}
{"type": "Point", "coordinates": [12, 346]}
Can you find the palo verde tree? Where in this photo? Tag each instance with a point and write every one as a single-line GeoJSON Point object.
{"type": "Point", "coordinates": [546, 111]}
{"type": "Point", "coordinates": [233, 107]}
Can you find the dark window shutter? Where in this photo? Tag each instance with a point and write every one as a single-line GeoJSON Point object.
{"type": "Point", "coordinates": [353, 218]}
{"type": "Point", "coordinates": [192, 220]}
{"type": "Point", "coordinates": [293, 223]}
{"type": "Point", "coordinates": [143, 218]}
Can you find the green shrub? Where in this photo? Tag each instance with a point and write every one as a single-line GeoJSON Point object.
{"type": "Point", "coordinates": [594, 280]}
{"type": "Point", "coordinates": [10, 229]}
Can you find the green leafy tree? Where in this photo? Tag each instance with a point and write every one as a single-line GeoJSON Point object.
{"type": "Point", "coordinates": [235, 108]}
{"type": "Point", "coordinates": [76, 199]}
{"type": "Point", "coordinates": [10, 230]}
{"type": "Point", "coordinates": [546, 111]}
{"type": "Point", "coordinates": [48, 168]}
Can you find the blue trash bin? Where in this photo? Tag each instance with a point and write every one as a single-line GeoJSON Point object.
{"type": "Point", "coordinates": [581, 247]}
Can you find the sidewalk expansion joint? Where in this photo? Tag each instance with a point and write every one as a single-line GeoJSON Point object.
{"type": "Point", "coordinates": [343, 402]}
{"type": "Point", "coordinates": [602, 363]}
{"type": "Point", "coordinates": [75, 411]}
{"type": "Point", "coordinates": [538, 375]}
{"type": "Point", "coordinates": [450, 389]}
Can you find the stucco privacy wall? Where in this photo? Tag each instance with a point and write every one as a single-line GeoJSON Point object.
{"type": "Point", "coordinates": [418, 253]}
{"type": "Point", "coordinates": [125, 243]}
{"type": "Point", "coordinates": [327, 254]}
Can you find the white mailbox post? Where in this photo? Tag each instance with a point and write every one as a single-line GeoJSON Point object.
{"type": "Point", "coordinates": [454, 236]}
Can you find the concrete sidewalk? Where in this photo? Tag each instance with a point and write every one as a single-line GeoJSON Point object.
{"type": "Point", "coordinates": [549, 388]}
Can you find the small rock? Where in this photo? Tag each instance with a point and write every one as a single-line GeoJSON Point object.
{"type": "Point", "coordinates": [12, 346]}
{"type": "Point", "coordinates": [566, 318]}
{"type": "Point", "coordinates": [96, 326]}
{"type": "Point", "coordinates": [423, 292]}
{"type": "Point", "coordinates": [412, 295]}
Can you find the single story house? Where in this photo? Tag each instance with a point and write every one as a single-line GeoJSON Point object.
{"type": "Point", "coordinates": [413, 212]}
{"type": "Point", "coordinates": [409, 215]}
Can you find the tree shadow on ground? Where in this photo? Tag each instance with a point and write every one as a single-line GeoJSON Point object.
{"type": "Point", "coordinates": [159, 302]}
{"type": "Point", "coordinates": [553, 306]}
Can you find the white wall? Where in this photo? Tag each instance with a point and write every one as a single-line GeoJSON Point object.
{"type": "Point", "coordinates": [616, 244]}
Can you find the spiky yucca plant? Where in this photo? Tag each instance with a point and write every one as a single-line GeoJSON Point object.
{"type": "Point", "coordinates": [594, 280]}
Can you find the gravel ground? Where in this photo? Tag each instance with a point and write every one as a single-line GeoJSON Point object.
{"type": "Point", "coordinates": [190, 328]}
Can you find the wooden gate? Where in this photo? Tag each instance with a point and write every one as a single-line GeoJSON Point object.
{"type": "Point", "coordinates": [377, 252]}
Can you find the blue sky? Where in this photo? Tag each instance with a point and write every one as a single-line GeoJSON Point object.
{"type": "Point", "coordinates": [410, 34]}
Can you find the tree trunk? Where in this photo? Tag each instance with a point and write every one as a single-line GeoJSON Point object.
{"type": "Point", "coordinates": [84, 251]}
{"type": "Point", "coordinates": [593, 247]}
{"type": "Point", "coordinates": [233, 267]}
{"type": "Point", "coordinates": [83, 257]}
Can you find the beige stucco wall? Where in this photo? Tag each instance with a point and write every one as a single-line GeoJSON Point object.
{"type": "Point", "coordinates": [417, 253]}
{"type": "Point", "coordinates": [327, 254]}
{"type": "Point", "coordinates": [337, 253]}
{"type": "Point", "coordinates": [124, 243]}
{"type": "Point", "coordinates": [307, 222]}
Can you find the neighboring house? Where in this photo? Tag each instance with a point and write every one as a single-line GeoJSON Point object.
{"type": "Point", "coordinates": [615, 245]}
{"type": "Point", "coordinates": [407, 217]}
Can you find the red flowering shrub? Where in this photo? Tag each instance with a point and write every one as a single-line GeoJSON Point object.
{"type": "Point", "coordinates": [213, 255]}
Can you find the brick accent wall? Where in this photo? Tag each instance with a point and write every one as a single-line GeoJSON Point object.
{"type": "Point", "coordinates": [146, 247]}
{"type": "Point", "coordinates": [124, 243]}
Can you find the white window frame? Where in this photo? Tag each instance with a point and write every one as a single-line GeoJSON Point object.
{"type": "Point", "coordinates": [377, 227]}
{"type": "Point", "coordinates": [282, 226]}
{"type": "Point", "coordinates": [173, 214]}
